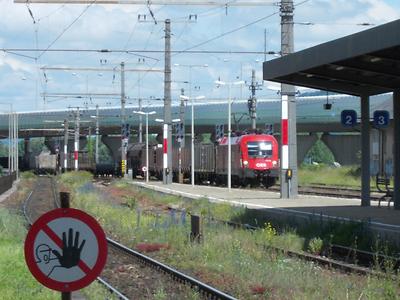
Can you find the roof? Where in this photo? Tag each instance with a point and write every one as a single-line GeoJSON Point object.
{"type": "Point", "coordinates": [365, 63]}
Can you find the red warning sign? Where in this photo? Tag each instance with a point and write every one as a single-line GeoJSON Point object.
{"type": "Point", "coordinates": [66, 249]}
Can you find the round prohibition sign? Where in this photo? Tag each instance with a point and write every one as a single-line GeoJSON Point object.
{"type": "Point", "coordinates": [65, 249]}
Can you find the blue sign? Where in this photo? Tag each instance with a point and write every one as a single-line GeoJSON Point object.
{"type": "Point", "coordinates": [349, 118]}
{"type": "Point", "coordinates": [381, 118]}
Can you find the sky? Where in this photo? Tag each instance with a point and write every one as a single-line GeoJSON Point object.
{"type": "Point", "coordinates": [37, 33]}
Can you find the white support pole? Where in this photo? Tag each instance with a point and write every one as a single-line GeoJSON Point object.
{"type": "Point", "coordinates": [97, 134]}
{"type": "Point", "coordinates": [15, 142]}
{"type": "Point", "coordinates": [65, 145]}
{"type": "Point", "coordinates": [9, 143]}
{"type": "Point", "coordinates": [147, 147]}
{"type": "Point", "coordinates": [192, 144]}
{"type": "Point", "coordinates": [76, 142]}
{"type": "Point", "coordinates": [229, 140]}
{"type": "Point", "coordinates": [16, 145]}
{"type": "Point", "coordinates": [165, 148]}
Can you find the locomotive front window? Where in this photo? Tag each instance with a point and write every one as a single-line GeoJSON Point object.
{"type": "Point", "coordinates": [259, 149]}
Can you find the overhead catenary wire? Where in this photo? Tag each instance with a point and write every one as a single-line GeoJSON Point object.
{"type": "Point", "coordinates": [66, 28]}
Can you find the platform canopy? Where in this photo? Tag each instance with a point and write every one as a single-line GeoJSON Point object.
{"type": "Point", "coordinates": [365, 63]}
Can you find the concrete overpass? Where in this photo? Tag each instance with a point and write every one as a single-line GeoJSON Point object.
{"type": "Point", "coordinates": [311, 118]}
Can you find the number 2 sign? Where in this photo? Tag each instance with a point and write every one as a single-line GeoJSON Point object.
{"type": "Point", "coordinates": [349, 118]}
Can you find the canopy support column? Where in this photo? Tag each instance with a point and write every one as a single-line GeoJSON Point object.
{"type": "Point", "coordinates": [365, 152]}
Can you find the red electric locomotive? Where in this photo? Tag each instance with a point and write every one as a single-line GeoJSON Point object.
{"type": "Point", "coordinates": [254, 159]}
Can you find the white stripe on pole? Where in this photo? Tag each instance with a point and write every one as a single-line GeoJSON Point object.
{"type": "Point", "coordinates": [284, 106]}
{"type": "Point", "coordinates": [76, 155]}
{"type": "Point", "coordinates": [285, 157]}
{"type": "Point", "coordinates": [165, 147]}
{"type": "Point", "coordinates": [65, 158]}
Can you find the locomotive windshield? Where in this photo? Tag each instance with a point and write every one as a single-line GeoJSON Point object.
{"type": "Point", "coordinates": [260, 149]}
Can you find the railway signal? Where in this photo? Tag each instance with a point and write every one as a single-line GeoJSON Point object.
{"type": "Point", "coordinates": [269, 129]}
{"type": "Point", "coordinates": [179, 132]}
{"type": "Point", "coordinates": [65, 249]}
{"type": "Point", "coordinates": [125, 130]}
{"type": "Point", "coordinates": [219, 131]}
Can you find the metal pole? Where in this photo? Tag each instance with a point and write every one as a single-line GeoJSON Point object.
{"type": "Point", "coordinates": [9, 143]}
{"type": "Point", "coordinates": [288, 123]}
{"type": "Point", "coordinates": [97, 134]}
{"type": "Point", "coordinates": [15, 140]}
{"type": "Point", "coordinates": [16, 145]}
{"type": "Point", "coordinates": [253, 113]}
{"type": "Point", "coordinates": [140, 121]}
{"type": "Point", "coordinates": [396, 150]}
{"type": "Point", "coordinates": [12, 142]}
{"type": "Point", "coordinates": [65, 203]}
{"type": "Point", "coordinates": [147, 147]}
{"type": "Point", "coordinates": [192, 143]}
{"type": "Point", "coordinates": [65, 145]}
{"type": "Point", "coordinates": [182, 141]}
{"type": "Point", "coordinates": [76, 142]}
{"type": "Point", "coordinates": [124, 142]}
{"type": "Point", "coordinates": [167, 171]}
{"type": "Point", "coordinates": [229, 139]}
{"type": "Point", "coordinates": [365, 152]}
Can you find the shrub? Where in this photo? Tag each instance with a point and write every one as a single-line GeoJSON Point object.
{"type": "Point", "coordinates": [315, 245]}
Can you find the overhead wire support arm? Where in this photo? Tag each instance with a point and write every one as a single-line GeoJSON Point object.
{"type": "Point", "coordinates": [159, 2]}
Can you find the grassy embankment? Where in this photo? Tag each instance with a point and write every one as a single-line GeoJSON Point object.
{"type": "Point", "coordinates": [235, 260]}
{"type": "Point", "coordinates": [348, 176]}
{"type": "Point", "coordinates": [16, 281]}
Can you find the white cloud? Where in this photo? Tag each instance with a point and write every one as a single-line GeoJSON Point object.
{"type": "Point", "coordinates": [16, 64]}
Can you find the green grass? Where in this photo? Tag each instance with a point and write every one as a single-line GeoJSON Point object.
{"type": "Point", "coordinates": [16, 281]}
{"type": "Point", "coordinates": [348, 176]}
{"type": "Point", "coordinates": [237, 261]}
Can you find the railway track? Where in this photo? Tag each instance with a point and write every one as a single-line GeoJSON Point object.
{"type": "Point", "coordinates": [122, 276]}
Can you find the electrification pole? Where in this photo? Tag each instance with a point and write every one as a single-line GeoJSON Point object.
{"type": "Point", "coordinates": [97, 134]}
{"type": "Point", "coordinates": [140, 122]}
{"type": "Point", "coordinates": [76, 142]}
{"type": "Point", "coordinates": [124, 140]}
{"type": "Point", "coordinates": [167, 164]}
{"type": "Point", "coordinates": [252, 102]}
{"type": "Point", "coordinates": [288, 176]}
{"type": "Point", "coordinates": [182, 140]}
{"type": "Point", "coordinates": [65, 145]}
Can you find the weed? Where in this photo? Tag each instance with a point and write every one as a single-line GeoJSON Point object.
{"type": "Point", "coordinates": [315, 245]}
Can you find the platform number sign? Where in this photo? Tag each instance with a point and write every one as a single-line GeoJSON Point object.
{"type": "Point", "coordinates": [381, 118]}
{"type": "Point", "coordinates": [349, 118]}
{"type": "Point", "coordinates": [65, 249]}
{"type": "Point", "coordinates": [219, 131]}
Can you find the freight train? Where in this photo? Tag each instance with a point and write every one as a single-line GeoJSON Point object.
{"type": "Point", "coordinates": [254, 160]}
{"type": "Point", "coordinates": [47, 163]}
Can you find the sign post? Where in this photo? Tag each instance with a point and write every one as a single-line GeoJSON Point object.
{"type": "Point", "coordinates": [65, 250]}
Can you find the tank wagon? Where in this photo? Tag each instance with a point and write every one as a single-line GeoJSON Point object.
{"type": "Point", "coordinates": [254, 160]}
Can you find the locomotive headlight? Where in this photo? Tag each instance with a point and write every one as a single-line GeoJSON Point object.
{"type": "Point", "coordinates": [274, 162]}
{"type": "Point", "coordinates": [245, 163]}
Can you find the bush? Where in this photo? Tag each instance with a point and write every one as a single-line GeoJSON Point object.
{"type": "Point", "coordinates": [315, 245]}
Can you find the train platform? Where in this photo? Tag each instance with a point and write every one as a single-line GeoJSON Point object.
{"type": "Point", "coordinates": [382, 218]}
